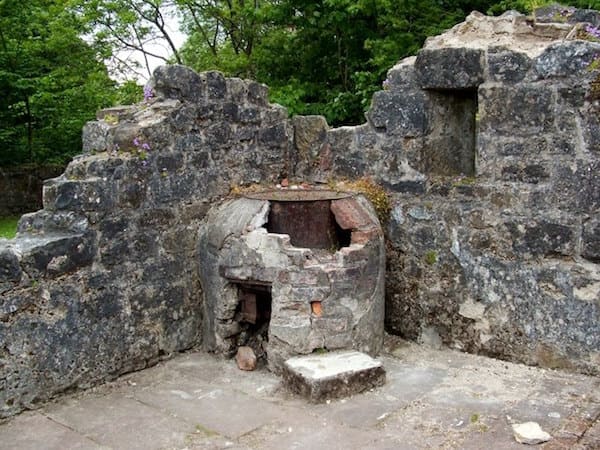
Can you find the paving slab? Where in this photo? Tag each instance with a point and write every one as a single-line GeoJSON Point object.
{"type": "Point", "coordinates": [34, 431]}
{"type": "Point", "coordinates": [120, 422]}
{"type": "Point", "coordinates": [218, 410]}
{"type": "Point", "coordinates": [431, 399]}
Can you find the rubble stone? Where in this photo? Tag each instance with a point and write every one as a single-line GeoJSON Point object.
{"type": "Point", "coordinates": [245, 358]}
{"type": "Point", "coordinates": [530, 433]}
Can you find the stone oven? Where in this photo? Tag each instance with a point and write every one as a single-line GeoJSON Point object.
{"type": "Point", "coordinates": [291, 272]}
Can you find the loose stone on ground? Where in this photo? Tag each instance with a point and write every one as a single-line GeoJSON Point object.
{"type": "Point", "coordinates": [245, 358]}
{"type": "Point", "coordinates": [530, 433]}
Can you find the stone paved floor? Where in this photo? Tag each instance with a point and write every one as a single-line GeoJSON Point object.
{"type": "Point", "coordinates": [432, 399]}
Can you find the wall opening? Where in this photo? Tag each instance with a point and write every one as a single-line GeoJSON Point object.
{"type": "Point", "coordinates": [451, 147]}
{"type": "Point", "coordinates": [310, 224]}
{"type": "Point", "coordinates": [253, 315]}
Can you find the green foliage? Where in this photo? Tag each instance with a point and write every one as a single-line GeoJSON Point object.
{"type": "Point", "coordinates": [318, 57]}
{"type": "Point", "coordinates": [431, 257]}
{"type": "Point", "coordinates": [8, 226]}
{"type": "Point", "coordinates": [50, 82]}
{"type": "Point", "coordinates": [128, 93]}
{"type": "Point", "coordinates": [528, 6]}
{"type": "Point", "coordinates": [323, 57]}
{"type": "Point", "coordinates": [120, 27]}
{"type": "Point", "coordinates": [376, 194]}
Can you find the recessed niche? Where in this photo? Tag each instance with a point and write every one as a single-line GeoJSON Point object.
{"type": "Point", "coordinates": [450, 148]}
{"type": "Point", "coordinates": [253, 315]}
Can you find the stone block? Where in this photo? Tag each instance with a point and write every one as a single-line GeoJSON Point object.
{"type": "Point", "coordinates": [274, 136]}
{"type": "Point", "coordinates": [542, 237]}
{"type": "Point", "coordinates": [402, 76]}
{"type": "Point", "coordinates": [320, 377]}
{"type": "Point", "coordinates": [310, 135]}
{"type": "Point", "coordinates": [349, 214]}
{"type": "Point", "coordinates": [575, 187]}
{"type": "Point", "coordinates": [75, 195]}
{"type": "Point", "coordinates": [258, 94]}
{"type": "Point", "coordinates": [216, 85]}
{"type": "Point", "coordinates": [507, 66]}
{"type": "Point", "coordinates": [565, 14]}
{"type": "Point", "coordinates": [54, 254]}
{"type": "Point", "coordinates": [44, 221]}
{"type": "Point", "coordinates": [586, 15]}
{"type": "Point", "coordinates": [531, 173]}
{"type": "Point", "coordinates": [521, 109]}
{"type": "Point", "coordinates": [400, 113]}
{"type": "Point", "coordinates": [450, 68]}
{"type": "Point", "coordinates": [591, 132]}
{"type": "Point", "coordinates": [10, 270]}
{"type": "Point", "coordinates": [591, 240]}
{"type": "Point", "coordinates": [169, 161]}
{"type": "Point", "coordinates": [245, 358]}
{"type": "Point", "coordinates": [218, 134]}
{"type": "Point", "coordinates": [237, 90]}
{"type": "Point", "coordinates": [563, 59]}
{"type": "Point", "coordinates": [178, 82]}
{"type": "Point", "coordinates": [96, 137]}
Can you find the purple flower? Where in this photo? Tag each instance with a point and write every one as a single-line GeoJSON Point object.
{"type": "Point", "coordinates": [386, 84]}
{"type": "Point", "coordinates": [148, 93]}
{"type": "Point", "coordinates": [593, 31]}
{"type": "Point", "coordinates": [145, 146]}
{"type": "Point", "coordinates": [136, 142]}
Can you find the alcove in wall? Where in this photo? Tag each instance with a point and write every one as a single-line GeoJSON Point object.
{"type": "Point", "coordinates": [450, 148]}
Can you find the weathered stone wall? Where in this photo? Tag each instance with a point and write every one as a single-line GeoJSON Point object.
{"type": "Point", "coordinates": [487, 141]}
{"type": "Point", "coordinates": [21, 188]}
{"type": "Point", "coordinates": [494, 235]}
{"type": "Point", "coordinates": [103, 280]}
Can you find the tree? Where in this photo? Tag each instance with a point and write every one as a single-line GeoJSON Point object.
{"type": "Point", "coordinates": [50, 82]}
{"type": "Point", "coordinates": [122, 27]}
{"type": "Point", "coordinates": [223, 34]}
{"type": "Point", "coordinates": [318, 57]}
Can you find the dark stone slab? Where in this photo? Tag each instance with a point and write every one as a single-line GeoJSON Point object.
{"type": "Point", "coordinates": [591, 240]}
{"type": "Point", "coordinates": [542, 238]}
{"type": "Point", "coordinates": [563, 59]}
{"type": "Point", "coordinates": [565, 14]}
{"type": "Point", "coordinates": [400, 113]}
{"type": "Point", "coordinates": [178, 82]}
{"type": "Point", "coordinates": [507, 66]}
{"type": "Point", "coordinates": [525, 108]}
{"type": "Point", "coordinates": [10, 269]}
{"type": "Point", "coordinates": [450, 68]}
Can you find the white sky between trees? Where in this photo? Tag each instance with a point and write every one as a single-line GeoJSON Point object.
{"type": "Point", "coordinates": [159, 47]}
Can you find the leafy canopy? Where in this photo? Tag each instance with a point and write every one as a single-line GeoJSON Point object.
{"type": "Point", "coordinates": [50, 82]}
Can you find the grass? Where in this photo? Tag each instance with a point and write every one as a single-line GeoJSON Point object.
{"type": "Point", "coordinates": [8, 226]}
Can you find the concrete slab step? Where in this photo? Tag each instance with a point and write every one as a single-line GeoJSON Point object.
{"type": "Point", "coordinates": [320, 377]}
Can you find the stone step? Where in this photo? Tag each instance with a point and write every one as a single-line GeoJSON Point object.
{"type": "Point", "coordinates": [321, 377]}
{"type": "Point", "coordinates": [43, 255]}
{"type": "Point", "coordinates": [47, 222]}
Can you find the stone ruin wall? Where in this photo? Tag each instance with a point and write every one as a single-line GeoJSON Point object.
{"type": "Point", "coordinates": [493, 239]}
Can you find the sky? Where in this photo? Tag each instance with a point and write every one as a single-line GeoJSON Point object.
{"type": "Point", "coordinates": [161, 48]}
